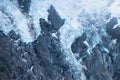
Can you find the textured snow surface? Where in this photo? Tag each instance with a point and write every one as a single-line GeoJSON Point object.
{"type": "Point", "coordinates": [70, 10]}
{"type": "Point", "coordinates": [13, 19]}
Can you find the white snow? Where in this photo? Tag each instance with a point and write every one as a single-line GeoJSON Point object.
{"type": "Point", "coordinates": [114, 8]}
{"type": "Point", "coordinates": [20, 25]}
{"type": "Point", "coordinates": [38, 9]}
{"type": "Point", "coordinates": [54, 35]}
{"type": "Point", "coordinates": [70, 10]}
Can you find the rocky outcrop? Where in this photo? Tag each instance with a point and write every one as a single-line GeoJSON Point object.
{"type": "Point", "coordinates": [43, 58]}
{"type": "Point", "coordinates": [13, 35]}
{"type": "Point", "coordinates": [38, 60]}
{"type": "Point", "coordinates": [55, 19]}
{"type": "Point", "coordinates": [102, 63]}
{"type": "Point", "coordinates": [113, 32]}
{"type": "Point", "coordinates": [24, 5]}
{"type": "Point", "coordinates": [78, 46]}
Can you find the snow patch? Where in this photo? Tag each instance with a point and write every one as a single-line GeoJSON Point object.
{"type": "Point", "coordinates": [114, 9]}
{"type": "Point", "coordinates": [20, 24]}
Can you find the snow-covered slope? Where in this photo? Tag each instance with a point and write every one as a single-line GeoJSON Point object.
{"type": "Point", "coordinates": [13, 19]}
{"type": "Point", "coordinates": [70, 10]}
{"type": "Point", "coordinates": [81, 16]}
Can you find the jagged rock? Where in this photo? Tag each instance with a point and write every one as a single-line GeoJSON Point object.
{"type": "Point", "coordinates": [117, 33]}
{"type": "Point", "coordinates": [43, 58]}
{"type": "Point", "coordinates": [13, 35]}
{"type": "Point", "coordinates": [98, 65]}
{"type": "Point", "coordinates": [45, 27]}
{"type": "Point", "coordinates": [78, 46]}
{"type": "Point", "coordinates": [55, 19]}
{"type": "Point", "coordinates": [116, 68]}
{"type": "Point", "coordinates": [113, 32]}
{"type": "Point", "coordinates": [24, 5]}
{"type": "Point", "coordinates": [4, 70]}
{"type": "Point", "coordinates": [17, 61]}
{"type": "Point", "coordinates": [38, 60]}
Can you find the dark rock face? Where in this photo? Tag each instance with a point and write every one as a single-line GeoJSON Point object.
{"type": "Point", "coordinates": [54, 24]}
{"type": "Point", "coordinates": [55, 19]}
{"type": "Point", "coordinates": [114, 33]}
{"type": "Point", "coordinates": [46, 27]}
{"type": "Point", "coordinates": [43, 59]}
{"type": "Point", "coordinates": [101, 64]}
{"type": "Point", "coordinates": [78, 46]}
{"type": "Point", "coordinates": [13, 35]}
{"type": "Point", "coordinates": [24, 5]}
{"type": "Point", "coordinates": [38, 60]}
{"type": "Point", "coordinates": [3, 56]}
{"type": "Point", "coordinates": [16, 60]}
